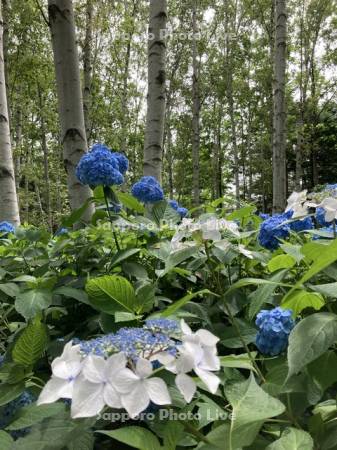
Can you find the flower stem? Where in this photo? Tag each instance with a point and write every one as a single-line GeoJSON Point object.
{"type": "Point", "coordinates": [111, 221]}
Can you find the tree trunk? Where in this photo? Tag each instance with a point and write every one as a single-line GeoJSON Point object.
{"type": "Point", "coordinates": [87, 69]}
{"type": "Point", "coordinates": [279, 122]}
{"type": "Point", "coordinates": [196, 111]}
{"type": "Point", "coordinates": [6, 6]}
{"type": "Point", "coordinates": [18, 144]}
{"type": "Point", "coordinates": [156, 99]}
{"type": "Point", "coordinates": [73, 136]}
{"type": "Point", "coordinates": [9, 208]}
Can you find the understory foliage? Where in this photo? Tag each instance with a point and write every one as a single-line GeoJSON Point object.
{"type": "Point", "coordinates": [151, 330]}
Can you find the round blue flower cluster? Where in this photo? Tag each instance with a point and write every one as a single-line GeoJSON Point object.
{"type": "Point", "coordinates": [101, 167]}
{"type": "Point", "coordinates": [274, 329]}
{"type": "Point", "coordinates": [134, 342]}
{"type": "Point", "coordinates": [180, 210]}
{"type": "Point", "coordinates": [302, 225]}
{"type": "Point", "coordinates": [264, 216]}
{"type": "Point", "coordinates": [6, 227]}
{"type": "Point", "coordinates": [147, 190]}
{"type": "Point", "coordinates": [272, 230]}
{"type": "Point", "coordinates": [320, 217]}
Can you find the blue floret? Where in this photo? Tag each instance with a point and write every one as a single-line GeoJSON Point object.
{"type": "Point", "coordinates": [274, 328]}
{"type": "Point", "coordinates": [6, 227]}
{"type": "Point", "coordinates": [272, 230]}
{"type": "Point", "coordinates": [147, 190]}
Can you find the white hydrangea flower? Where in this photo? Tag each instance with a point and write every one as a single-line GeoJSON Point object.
{"type": "Point", "coordinates": [66, 369]}
{"type": "Point", "coordinates": [297, 203]}
{"type": "Point", "coordinates": [330, 206]}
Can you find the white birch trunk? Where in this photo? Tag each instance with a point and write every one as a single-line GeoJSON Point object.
{"type": "Point", "coordinates": [9, 208]}
{"type": "Point", "coordinates": [156, 99]}
{"type": "Point", "coordinates": [196, 111]}
{"type": "Point", "coordinates": [279, 122]}
{"type": "Point", "coordinates": [73, 136]}
{"type": "Point", "coordinates": [87, 69]}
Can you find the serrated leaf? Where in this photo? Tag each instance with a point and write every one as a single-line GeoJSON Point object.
{"type": "Point", "coordinates": [33, 414]}
{"type": "Point", "coordinates": [251, 407]}
{"type": "Point", "coordinates": [123, 255]}
{"type": "Point", "coordinates": [299, 300]}
{"type": "Point", "coordinates": [31, 344]}
{"type": "Point", "coordinates": [84, 442]}
{"type": "Point", "coordinates": [77, 294]}
{"type": "Point", "coordinates": [30, 303]}
{"type": "Point", "coordinates": [112, 293]}
{"type": "Point", "coordinates": [310, 338]}
{"type": "Point", "coordinates": [293, 439]}
{"type": "Point", "coordinates": [135, 437]}
{"type": "Point", "coordinates": [281, 262]}
{"type": "Point", "coordinates": [242, 361]}
{"type": "Point", "coordinates": [130, 202]}
{"type": "Point", "coordinates": [161, 212]}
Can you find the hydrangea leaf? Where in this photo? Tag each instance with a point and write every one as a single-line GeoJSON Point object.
{"type": "Point", "coordinates": [251, 407]}
{"type": "Point", "coordinates": [293, 439]}
{"type": "Point", "coordinates": [33, 414]}
{"type": "Point", "coordinates": [299, 300]}
{"type": "Point", "coordinates": [6, 441]}
{"type": "Point", "coordinates": [311, 338]}
{"type": "Point", "coordinates": [130, 202]}
{"type": "Point", "coordinates": [30, 303]}
{"type": "Point", "coordinates": [162, 212]}
{"type": "Point", "coordinates": [281, 262]}
{"type": "Point", "coordinates": [9, 392]}
{"type": "Point", "coordinates": [31, 343]}
{"type": "Point", "coordinates": [135, 437]}
{"type": "Point", "coordinates": [112, 293]}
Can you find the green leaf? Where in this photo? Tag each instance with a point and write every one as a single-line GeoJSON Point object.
{"type": "Point", "coordinates": [70, 292]}
{"type": "Point", "coordinates": [264, 294]}
{"type": "Point", "coordinates": [130, 202]}
{"type": "Point", "coordinates": [323, 371]}
{"type": "Point", "coordinates": [122, 255]}
{"type": "Point", "coordinates": [135, 437]}
{"type": "Point", "coordinates": [293, 250]}
{"type": "Point", "coordinates": [76, 215]}
{"type": "Point", "coordinates": [31, 344]}
{"type": "Point", "coordinates": [30, 303]}
{"type": "Point", "coordinates": [253, 281]}
{"type": "Point", "coordinates": [293, 439]}
{"type": "Point", "coordinates": [311, 338]}
{"type": "Point", "coordinates": [32, 414]}
{"type": "Point", "coordinates": [9, 392]}
{"type": "Point", "coordinates": [172, 309]}
{"type": "Point", "coordinates": [161, 212]}
{"type": "Point", "coordinates": [251, 407]}
{"type": "Point", "coordinates": [242, 213]}
{"type": "Point", "coordinates": [173, 433]}
{"type": "Point", "coordinates": [112, 293]}
{"type": "Point", "coordinates": [325, 255]}
{"type": "Point", "coordinates": [10, 289]}
{"type": "Point", "coordinates": [329, 289]}
{"type": "Point", "coordinates": [84, 442]}
{"type": "Point", "coordinates": [242, 361]}
{"type": "Point", "coordinates": [177, 258]}
{"type": "Point", "coordinates": [281, 262]}
{"type": "Point", "coordinates": [299, 300]}
{"type": "Point", "coordinates": [6, 441]}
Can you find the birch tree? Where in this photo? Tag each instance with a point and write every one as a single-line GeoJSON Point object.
{"type": "Point", "coordinates": [196, 110]}
{"type": "Point", "coordinates": [9, 208]}
{"type": "Point", "coordinates": [73, 136]}
{"type": "Point", "coordinates": [87, 68]}
{"type": "Point", "coordinates": [156, 98]}
{"type": "Point", "coordinates": [279, 116]}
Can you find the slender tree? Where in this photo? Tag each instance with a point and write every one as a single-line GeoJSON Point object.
{"type": "Point", "coordinates": [156, 98]}
{"type": "Point", "coordinates": [87, 68]}
{"type": "Point", "coordinates": [279, 117]}
{"type": "Point", "coordinates": [196, 106]}
{"type": "Point", "coordinates": [73, 136]}
{"type": "Point", "coordinates": [9, 208]}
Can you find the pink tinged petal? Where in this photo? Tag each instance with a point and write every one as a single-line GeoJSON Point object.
{"type": "Point", "coordinates": [94, 369]}
{"type": "Point", "coordinates": [50, 393]}
{"type": "Point", "coordinates": [88, 399]}
{"type": "Point", "coordinates": [210, 380]}
{"type": "Point", "coordinates": [136, 401]}
{"type": "Point", "coordinates": [144, 368]}
{"type": "Point", "coordinates": [112, 397]}
{"type": "Point", "coordinates": [185, 328]}
{"type": "Point", "coordinates": [116, 363]}
{"type": "Point", "coordinates": [124, 381]}
{"type": "Point", "coordinates": [186, 386]}
{"type": "Point", "coordinates": [158, 392]}
{"type": "Point", "coordinates": [207, 338]}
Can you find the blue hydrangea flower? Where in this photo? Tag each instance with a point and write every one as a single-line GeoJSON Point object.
{"type": "Point", "coordinates": [302, 225]}
{"type": "Point", "coordinates": [61, 231]}
{"type": "Point", "coordinates": [174, 204]}
{"type": "Point", "coordinates": [99, 167]}
{"type": "Point", "coordinates": [264, 216]}
{"type": "Point", "coordinates": [320, 217]}
{"type": "Point", "coordinates": [6, 227]}
{"type": "Point", "coordinates": [123, 162]}
{"type": "Point", "coordinates": [147, 190]}
{"type": "Point", "coordinates": [182, 212]}
{"type": "Point", "coordinates": [329, 230]}
{"type": "Point", "coordinates": [274, 328]}
{"type": "Point", "coordinates": [273, 229]}
{"type": "Point", "coordinates": [165, 326]}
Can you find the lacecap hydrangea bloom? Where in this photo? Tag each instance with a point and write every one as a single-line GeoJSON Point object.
{"type": "Point", "coordinates": [274, 328]}
{"type": "Point", "coordinates": [180, 209]}
{"type": "Point", "coordinates": [6, 227]}
{"type": "Point", "coordinates": [118, 370]}
{"type": "Point", "coordinates": [147, 190]}
{"type": "Point", "coordinates": [101, 167]}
